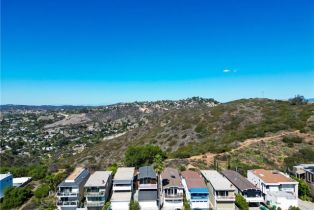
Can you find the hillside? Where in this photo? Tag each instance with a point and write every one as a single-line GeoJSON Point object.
{"type": "Point", "coordinates": [190, 131]}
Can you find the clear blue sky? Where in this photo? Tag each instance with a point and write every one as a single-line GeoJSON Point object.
{"type": "Point", "coordinates": [107, 51]}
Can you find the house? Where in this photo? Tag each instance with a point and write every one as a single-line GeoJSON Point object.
{"type": "Point", "coordinates": [171, 188]}
{"type": "Point", "coordinates": [147, 188]}
{"type": "Point", "coordinates": [21, 181]}
{"type": "Point", "coordinates": [122, 189]}
{"type": "Point", "coordinates": [249, 191]}
{"type": "Point", "coordinates": [278, 188]}
{"type": "Point", "coordinates": [221, 190]}
{"type": "Point", "coordinates": [6, 181]}
{"type": "Point", "coordinates": [71, 190]}
{"type": "Point", "coordinates": [196, 191]}
{"type": "Point", "coordinates": [305, 172]}
{"type": "Point", "coordinates": [97, 189]}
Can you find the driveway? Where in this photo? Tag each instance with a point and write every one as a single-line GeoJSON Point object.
{"type": "Point", "coordinates": [306, 205]}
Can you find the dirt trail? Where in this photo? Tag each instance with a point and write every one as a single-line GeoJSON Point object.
{"type": "Point", "coordinates": [209, 157]}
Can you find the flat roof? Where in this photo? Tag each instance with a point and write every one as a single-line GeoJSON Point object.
{"type": "Point", "coordinates": [121, 196]}
{"type": "Point", "coordinates": [21, 180]}
{"type": "Point", "coordinates": [98, 179]}
{"type": "Point", "coordinates": [238, 180]}
{"type": "Point", "coordinates": [272, 176]}
{"type": "Point", "coordinates": [124, 173]}
{"type": "Point", "coordinates": [77, 171]}
{"type": "Point", "coordinates": [193, 179]}
{"type": "Point", "coordinates": [147, 195]}
{"type": "Point", "coordinates": [147, 172]}
{"type": "Point", "coordinates": [217, 180]}
{"type": "Point", "coordinates": [171, 178]}
{"type": "Point", "coordinates": [3, 176]}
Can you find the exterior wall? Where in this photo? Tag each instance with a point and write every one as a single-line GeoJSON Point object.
{"type": "Point", "coordinates": [309, 177]}
{"type": "Point", "coordinates": [173, 203]}
{"type": "Point", "coordinates": [225, 206]}
{"type": "Point", "coordinates": [282, 202]}
{"type": "Point", "coordinates": [195, 203]}
{"type": "Point", "coordinates": [149, 205]}
{"type": "Point", "coordinates": [120, 205]}
{"type": "Point", "coordinates": [5, 183]}
{"type": "Point", "coordinates": [211, 195]}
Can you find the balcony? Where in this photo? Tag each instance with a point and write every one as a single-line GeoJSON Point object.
{"type": "Point", "coordinates": [225, 198]}
{"type": "Point", "coordinates": [67, 194]}
{"type": "Point", "coordinates": [174, 196]}
{"type": "Point", "coordinates": [67, 203]}
{"type": "Point", "coordinates": [95, 203]}
{"type": "Point", "coordinates": [254, 199]}
{"type": "Point", "coordinates": [147, 186]}
{"type": "Point", "coordinates": [122, 188]}
{"type": "Point", "coordinates": [94, 194]}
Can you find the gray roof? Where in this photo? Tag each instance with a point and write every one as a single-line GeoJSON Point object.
{"type": "Point", "coordinates": [171, 178]}
{"type": "Point", "coordinates": [147, 172]}
{"type": "Point", "coordinates": [124, 173]}
{"type": "Point", "coordinates": [147, 195]}
{"type": "Point", "coordinates": [98, 179]}
{"type": "Point", "coordinates": [79, 178]}
{"type": "Point", "coordinates": [217, 180]}
{"type": "Point", "coordinates": [238, 180]}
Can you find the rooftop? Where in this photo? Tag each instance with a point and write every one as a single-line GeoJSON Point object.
{"type": "Point", "coordinates": [147, 172]}
{"type": "Point", "coordinates": [73, 176]}
{"type": "Point", "coordinates": [147, 195]}
{"type": "Point", "coordinates": [217, 180]}
{"type": "Point", "coordinates": [125, 173]}
{"type": "Point", "coordinates": [171, 178]}
{"type": "Point", "coordinates": [270, 176]}
{"type": "Point", "coordinates": [3, 176]}
{"type": "Point", "coordinates": [193, 179]}
{"type": "Point", "coordinates": [238, 180]}
{"type": "Point", "coordinates": [21, 180]}
{"type": "Point", "coordinates": [121, 196]}
{"type": "Point", "coordinates": [98, 179]}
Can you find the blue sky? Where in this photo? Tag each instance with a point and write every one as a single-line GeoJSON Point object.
{"type": "Point", "coordinates": [107, 51]}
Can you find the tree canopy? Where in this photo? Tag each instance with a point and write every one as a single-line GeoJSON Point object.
{"type": "Point", "coordinates": [138, 156]}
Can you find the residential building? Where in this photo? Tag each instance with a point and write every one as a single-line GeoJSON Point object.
{"type": "Point", "coordinates": [71, 190]}
{"type": "Point", "coordinates": [305, 172]}
{"type": "Point", "coordinates": [171, 188]}
{"type": "Point", "coordinates": [97, 189]}
{"type": "Point", "coordinates": [21, 181]}
{"type": "Point", "coordinates": [122, 189]}
{"type": "Point", "coordinates": [278, 188]}
{"type": "Point", "coordinates": [221, 190]}
{"type": "Point", "coordinates": [147, 188]}
{"type": "Point", "coordinates": [195, 190]}
{"type": "Point", "coordinates": [249, 191]}
{"type": "Point", "coordinates": [6, 181]}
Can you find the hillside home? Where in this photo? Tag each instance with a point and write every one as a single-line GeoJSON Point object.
{"type": "Point", "coordinates": [6, 181]}
{"type": "Point", "coordinates": [147, 188]}
{"type": "Point", "coordinates": [171, 188]}
{"type": "Point", "coordinates": [305, 172]}
{"type": "Point", "coordinates": [71, 190]}
{"type": "Point", "coordinates": [122, 189]}
{"type": "Point", "coordinates": [249, 191]}
{"type": "Point", "coordinates": [195, 190]}
{"type": "Point", "coordinates": [97, 189]}
{"type": "Point", "coordinates": [221, 190]}
{"type": "Point", "coordinates": [278, 188]}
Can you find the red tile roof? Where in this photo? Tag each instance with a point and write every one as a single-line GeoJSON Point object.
{"type": "Point", "coordinates": [193, 179]}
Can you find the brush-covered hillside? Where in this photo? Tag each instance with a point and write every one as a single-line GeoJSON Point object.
{"type": "Point", "coordinates": [219, 129]}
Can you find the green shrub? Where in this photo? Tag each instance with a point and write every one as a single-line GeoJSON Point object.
{"type": "Point", "coordinates": [134, 205]}
{"type": "Point", "coordinates": [14, 197]}
{"type": "Point", "coordinates": [138, 156]}
{"type": "Point", "coordinates": [292, 139]}
{"type": "Point", "coordinates": [42, 191]}
{"type": "Point", "coordinates": [241, 202]}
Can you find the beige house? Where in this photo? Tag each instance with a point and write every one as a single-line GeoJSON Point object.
{"type": "Point", "coordinates": [221, 190]}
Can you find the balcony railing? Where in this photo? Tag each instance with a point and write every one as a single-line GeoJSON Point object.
{"type": "Point", "coordinates": [220, 197]}
{"type": "Point", "coordinates": [178, 195]}
{"type": "Point", "coordinates": [67, 194]}
{"type": "Point", "coordinates": [67, 203]}
{"type": "Point", "coordinates": [94, 203]}
{"type": "Point", "coordinates": [147, 186]}
{"type": "Point", "coordinates": [94, 194]}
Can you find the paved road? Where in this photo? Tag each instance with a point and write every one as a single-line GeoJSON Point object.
{"type": "Point", "coordinates": [306, 205]}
